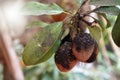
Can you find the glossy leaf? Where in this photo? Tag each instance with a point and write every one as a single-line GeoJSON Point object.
{"type": "Point", "coordinates": [37, 24]}
{"type": "Point", "coordinates": [116, 31]}
{"type": "Point", "coordinates": [36, 8]}
{"type": "Point", "coordinates": [96, 33]}
{"type": "Point", "coordinates": [105, 2]}
{"type": "Point", "coordinates": [43, 44]}
{"type": "Point", "coordinates": [108, 10]}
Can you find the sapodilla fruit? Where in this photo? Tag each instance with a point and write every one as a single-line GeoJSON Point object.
{"type": "Point", "coordinates": [83, 46]}
{"type": "Point", "coordinates": [64, 59]}
{"type": "Point", "coordinates": [94, 54]}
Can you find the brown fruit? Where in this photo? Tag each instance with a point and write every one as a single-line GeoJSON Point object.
{"type": "Point", "coordinates": [64, 59]}
{"type": "Point", "coordinates": [59, 17]}
{"type": "Point", "coordinates": [94, 54]}
{"type": "Point", "coordinates": [83, 46]}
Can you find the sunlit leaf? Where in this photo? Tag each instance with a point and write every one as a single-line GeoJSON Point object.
{"type": "Point", "coordinates": [37, 8]}
{"type": "Point", "coordinates": [108, 10]}
{"type": "Point", "coordinates": [37, 24]}
{"type": "Point", "coordinates": [105, 2]}
{"type": "Point", "coordinates": [43, 44]}
{"type": "Point", "coordinates": [116, 31]}
{"type": "Point", "coordinates": [96, 33]}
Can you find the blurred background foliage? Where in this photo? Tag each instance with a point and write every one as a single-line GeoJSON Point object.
{"type": "Point", "coordinates": [106, 67]}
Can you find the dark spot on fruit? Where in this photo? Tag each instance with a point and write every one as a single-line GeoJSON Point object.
{"type": "Point", "coordinates": [83, 41]}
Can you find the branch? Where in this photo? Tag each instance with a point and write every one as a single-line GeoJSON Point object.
{"type": "Point", "coordinates": [11, 63]}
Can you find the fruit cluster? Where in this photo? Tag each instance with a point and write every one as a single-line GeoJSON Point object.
{"type": "Point", "coordinates": [81, 48]}
{"type": "Point", "coordinates": [77, 45]}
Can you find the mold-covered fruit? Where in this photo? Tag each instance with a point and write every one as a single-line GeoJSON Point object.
{"type": "Point", "coordinates": [64, 59]}
{"type": "Point", "coordinates": [83, 46]}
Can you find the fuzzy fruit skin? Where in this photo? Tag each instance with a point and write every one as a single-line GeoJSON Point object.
{"type": "Point", "coordinates": [59, 17]}
{"type": "Point", "coordinates": [83, 46]}
{"type": "Point", "coordinates": [94, 54]}
{"type": "Point", "coordinates": [64, 59]}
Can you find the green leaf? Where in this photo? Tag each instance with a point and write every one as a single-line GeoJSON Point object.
{"type": "Point", "coordinates": [43, 44]}
{"type": "Point", "coordinates": [116, 31]}
{"type": "Point", "coordinates": [96, 33]}
{"type": "Point", "coordinates": [108, 10]}
{"type": "Point", "coordinates": [103, 21]}
{"type": "Point", "coordinates": [37, 24]}
{"type": "Point", "coordinates": [108, 21]}
{"type": "Point", "coordinates": [105, 2]}
{"type": "Point", "coordinates": [36, 8]}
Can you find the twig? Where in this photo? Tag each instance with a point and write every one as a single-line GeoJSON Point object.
{"type": "Point", "coordinates": [10, 58]}
{"type": "Point", "coordinates": [104, 51]}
